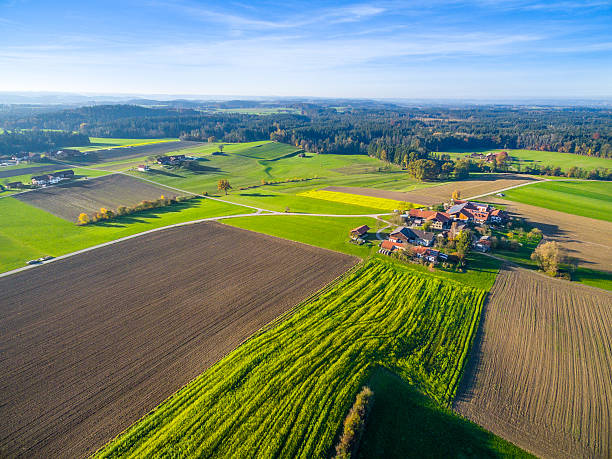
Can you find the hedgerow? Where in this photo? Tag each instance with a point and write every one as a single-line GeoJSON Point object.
{"type": "Point", "coordinates": [109, 214]}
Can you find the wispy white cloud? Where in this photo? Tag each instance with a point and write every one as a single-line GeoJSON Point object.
{"type": "Point", "coordinates": [336, 15]}
{"type": "Point", "coordinates": [538, 5]}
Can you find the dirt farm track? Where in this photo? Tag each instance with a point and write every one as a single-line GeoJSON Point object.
{"type": "Point", "coordinates": [93, 342]}
{"type": "Point", "coordinates": [541, 371]}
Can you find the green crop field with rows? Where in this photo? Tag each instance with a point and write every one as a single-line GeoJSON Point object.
{"type": "Point", "coordinates": [285, 392]}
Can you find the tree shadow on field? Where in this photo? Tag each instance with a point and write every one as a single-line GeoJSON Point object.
{"type": "Point", "coordinates": [204, 169]}
{"type": "Point", "coordinates": [405, 423]}
{"type": "Point", "coordinates": [258, 195]}
{"type": "Point", "coordinates": [164, 172]}
{"type": "Point", "coordinates": [150, 214]}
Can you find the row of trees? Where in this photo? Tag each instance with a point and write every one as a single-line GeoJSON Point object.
{"type": "Point", "coordinates": [108, 214]}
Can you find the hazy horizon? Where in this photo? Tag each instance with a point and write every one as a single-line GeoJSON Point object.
{"type": "Point", "coordinates": [519, 49]}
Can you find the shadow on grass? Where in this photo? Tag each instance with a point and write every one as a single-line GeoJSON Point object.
{"type": "Point", "coordinates": [203, 169]}
{"type": "Point", "coordinates": [259, 195]}
{"type": "Point", "coordinates": [404, 423]}
{"type": "Point", "coordinates": [164, 172]}
{"type": "Point", "coordinates": [150, 214]}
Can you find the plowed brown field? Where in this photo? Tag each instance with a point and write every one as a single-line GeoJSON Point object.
{"type": "Point", "coordinates": [441, 193]}
{"type": "Point", "coordinates": [110, 191]}
{"type": "Point", "coordinates": [587, 239]}
{"type": "Point", "coordinates": [541, 372]}
{"type": "Point", "coordinates": [91, 343]}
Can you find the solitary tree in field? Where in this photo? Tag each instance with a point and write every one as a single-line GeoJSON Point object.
{"type": "Point", "coordinates": [221, 148]}
{"type": "Point", "coordinates": [224, 185]}
{"type": "Point", "coordinates": [549, 256]}
{"type": "Point", "coordinates": [456, 194]}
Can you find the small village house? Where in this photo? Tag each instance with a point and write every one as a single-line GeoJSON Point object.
{"type": "Point", "coordinates": [387, 247]}
{"type": "Point", "coordinates": [359, 232]}
{"type": "Point", "coordinates": [483, 244]}
{"type": "Point", "coordinates": [439, 220]}
{"type": "Point", "coordinates": [404, 235]}
{"type": "Point", "coordinates": [51, 179]}
{"type": "Point", "coordinates": [143, 168]}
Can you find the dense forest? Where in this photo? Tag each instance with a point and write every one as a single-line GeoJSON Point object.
{"type": "Point", "coordinates": [391, 132]}
{"type": "Point", "coordinates": [13, 142]}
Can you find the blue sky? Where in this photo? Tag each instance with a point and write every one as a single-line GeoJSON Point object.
{"type": "Point", "coordinates": [412, 49]}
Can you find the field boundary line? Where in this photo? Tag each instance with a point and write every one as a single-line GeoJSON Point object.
{"type": "Point", "coordinates": [59, 185]}
{"type": "Point", "coordinates": [258, 213]}
{"type": "Point", "coordinates": [508, 188]}
{"type": "Point", "coordinates": [545, 276]}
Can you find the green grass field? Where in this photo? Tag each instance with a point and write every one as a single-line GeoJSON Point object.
{"type": "Point", "coordinates": [27, 232]}
{"type": "Point", "coordinates": [587, 199]}
{"type": "Point", "coordinates": [547, 158]}
{"type": "Point", "coordinates": [250, 165]}
{"type": "Point", "coordinates": [404, 423]}
{"type": "Point", "coordinates": [327, 232]}
{"type": "Point", "coordinates": [97, 143]}
{"type": "Point", "coordinates": [285, 391]}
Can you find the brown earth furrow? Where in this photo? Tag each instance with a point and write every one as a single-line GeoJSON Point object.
{"type": "Point", "coordinates": [111, 191]}
{"type": "Point", "coordinates": [437, 194]}
{"type": "Point", "coordinates": [91, 343]}
{"type": "Point", "coordinates": [587, 239]}
{"type": "Point", "coordinates": [541, 372]}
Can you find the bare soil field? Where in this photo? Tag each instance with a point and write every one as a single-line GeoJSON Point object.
{"type": "Point", "coordinates": [110, 191]}
{"type": "Point", "coordinates": [114, 154]}
{"type": "Point", "coordinates": [93, 342]}
{"type": "Point", "coordinates": [540, 374]}
{"type": "Point", "coordinates": [31, 170]}
{"type": "Point", "coordinates": [437, 194]}
{"type": "Point", "coordinates": [587, 239]}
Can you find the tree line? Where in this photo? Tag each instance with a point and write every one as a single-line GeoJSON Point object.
{"type": "Point", "coordinates": [387, 131]}
{"type": "Point", "coordinates": [18, 141]}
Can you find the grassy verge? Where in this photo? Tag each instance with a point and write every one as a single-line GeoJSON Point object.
{"type": "Point", "coordinates": [404, 423]}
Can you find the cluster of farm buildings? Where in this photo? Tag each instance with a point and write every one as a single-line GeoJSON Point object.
{"type": "Point", "coordinates": [45, 179]}
{"type": "Point", "coordinates": [15, 160]}
{"type": "Point", "coordinates": [172, 160]}
{"type": "Point", "coordinates": [489, 157]}
{"type": "Point", "coordinates": [423, 227]}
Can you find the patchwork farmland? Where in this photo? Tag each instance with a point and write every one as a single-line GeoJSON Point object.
{"type": "Point", "coordinates": [148, 149]}
{"type": "Point", "coordinates": [587, 239]}
{"type": "Point", "coordinates": [110, 191]}
{"type": "Point", "coordinates": [92, 342]}
{"type": "Point", "coordinates": [285, 391]}
{"type": "Point", "coordinates": [442, 193]}
{"type": "Point", "coordinates": [541, 372]}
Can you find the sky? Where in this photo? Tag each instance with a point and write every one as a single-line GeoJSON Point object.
{"type": "Point", "coordinates": [493, 49]}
